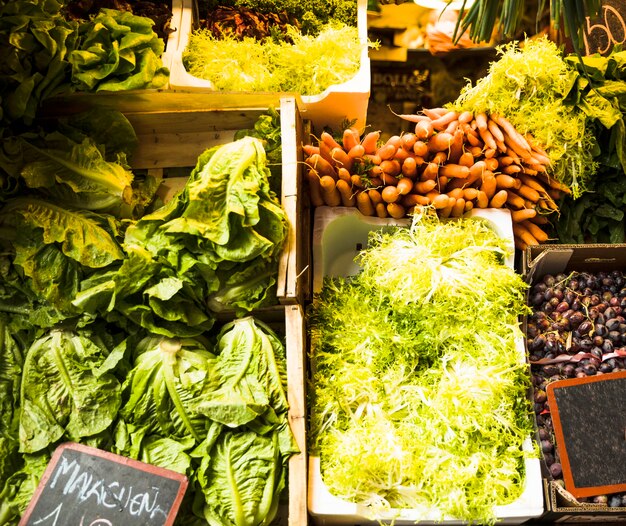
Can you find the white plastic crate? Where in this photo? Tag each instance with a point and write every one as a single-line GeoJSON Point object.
{"type": "Point", "coordinates": [339, 234]}
{"type": "Point", "coordinates": [329, 108]}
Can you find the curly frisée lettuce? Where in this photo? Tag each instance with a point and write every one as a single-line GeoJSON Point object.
{"type": "Point", "coordinates": [530, 84]}
{"type": "Point", "coordinates": [308, 66]}
{"type": "Point", "coordinates": [418, 390]}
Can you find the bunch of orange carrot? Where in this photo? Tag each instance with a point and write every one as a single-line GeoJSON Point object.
{"type": "Point", "coordinates": [452, 161]}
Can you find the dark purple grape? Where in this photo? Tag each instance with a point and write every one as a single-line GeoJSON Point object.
{"type": "Point", "coordinates": [614, 302]}
{"type": "Point", "coordinates": [597, 352]}
{"type": "Point", "coordinates": [569, 371]}
{"type": "Point", "coordinates": [590, 369]}
{"type": "Point", "coordinates": [594, 300]}
{"type": "Point", "coordinates": [577, 318]}
{"type": "Point", "coordinates": [601, 329]}
{"type": "Point", "coordinates": [556, 470]}
{"type": "Point", "coordinates": [615, 501]}
{"type": "Point", "coordinates": [550, 369]}
{"type": "Point", "coordinates": [546, 446]}
{"type": "Point", "coordinates": [612, 324]}
{"type": "Point", "coordinates": [537, 343]}
{"type": "Point", "coordinates": [585, 327]}
{"type": "Point", "coordinates": [605, 368]}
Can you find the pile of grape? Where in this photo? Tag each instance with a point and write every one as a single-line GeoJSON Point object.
{"type": "Point", "coordinates": [577, 329]}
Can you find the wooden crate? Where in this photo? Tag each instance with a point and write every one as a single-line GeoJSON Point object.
{"type": "Point", "coordinates": [173, 129]}
{"type": "Point", "coordinates": [174, 139]}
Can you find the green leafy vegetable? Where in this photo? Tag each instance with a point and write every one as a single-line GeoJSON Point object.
{"type": "Point", "coordinates": [11, 363]}
{"type": "Point", "coordinates": [54, 247]}
{"type": "Point", "coordinates": [244, 472]}
{"type": "Point", "coordinates": [418, 387]}
{"type": "Point", "coordinates": [64, 393]}
{"type": "Point", "coordinates": [118, 51]}
{"type": "Point", "coordinates": [80, 176]}
{"type": "Point", "coordinates": [224, 223]}
{"type": "Point", "coordinates": [36, 42]}
{"type": "Point", "coordinates": [530, 85]}
{"type": "Point", "coordinates": [308, 66]}
{"type": "Point", "coordinates": [312, 15]}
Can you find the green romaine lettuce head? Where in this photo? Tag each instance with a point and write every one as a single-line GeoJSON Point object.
{"type": "Point", "coordinates": [253, 377]}
{"type": "Point", "coordinates": [242, 479]}
{"type": "Point", "coordinates": [35, 43]}
{"type": "Point", "coordinates": [77, 175]}
{"type": "Point", "coordinates": [67, 390]}
{"type": "Point", "coordinates": [243, 470]}
{"type": "Point", "coordinates": [55, 247]}
{"type": "Point", "coordinates": [118, 51]}
{"type": "Point", "coordinates": [168, 375]}
{"type": "Point", "coordinates": [224, 223]}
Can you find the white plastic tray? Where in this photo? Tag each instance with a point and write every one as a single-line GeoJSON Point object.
{"type": "Point", "coordinates": [329, 108]}
{"type": "Point", "coordinates": [339, 234]}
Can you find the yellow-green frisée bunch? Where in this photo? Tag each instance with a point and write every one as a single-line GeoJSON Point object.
{"type": "Point", "coordinates": [418, 389]}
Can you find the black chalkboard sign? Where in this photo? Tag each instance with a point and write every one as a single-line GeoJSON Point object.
{"type": "Point", "coordinates": [85, 486]}
{"type": "Point", "coordinates": [589, 420]}
{"type": "Point", "coordinates": [606, 30]}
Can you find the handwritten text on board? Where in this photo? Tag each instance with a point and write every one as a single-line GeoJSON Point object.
{"type": "Point", "coordinates": [88, 487]}
{"type": "Point", "coordinates": [602, 33]}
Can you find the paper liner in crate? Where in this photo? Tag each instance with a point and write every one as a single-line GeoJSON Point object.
{"type": "Point", "coordinates": [347, 100]}
{"type": "Point", "coordinates": [339, 234]}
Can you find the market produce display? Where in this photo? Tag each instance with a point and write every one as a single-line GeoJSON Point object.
{"type": "Point", "coordinates": [539, 135]}
{"type": "Point", "coordinates": [418, 385]}
{"type": "Point", "coordinates": [577, 329]}
{"type": "Point", "coordinates": [108, 316]}
{"type": "Point", "coordinates": [117, 50]}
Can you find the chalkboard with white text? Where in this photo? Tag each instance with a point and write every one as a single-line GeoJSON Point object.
{"type": "Point", "coordinates": [607, 30]}
{"type": "Point", "coordinates": [85, 486]}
